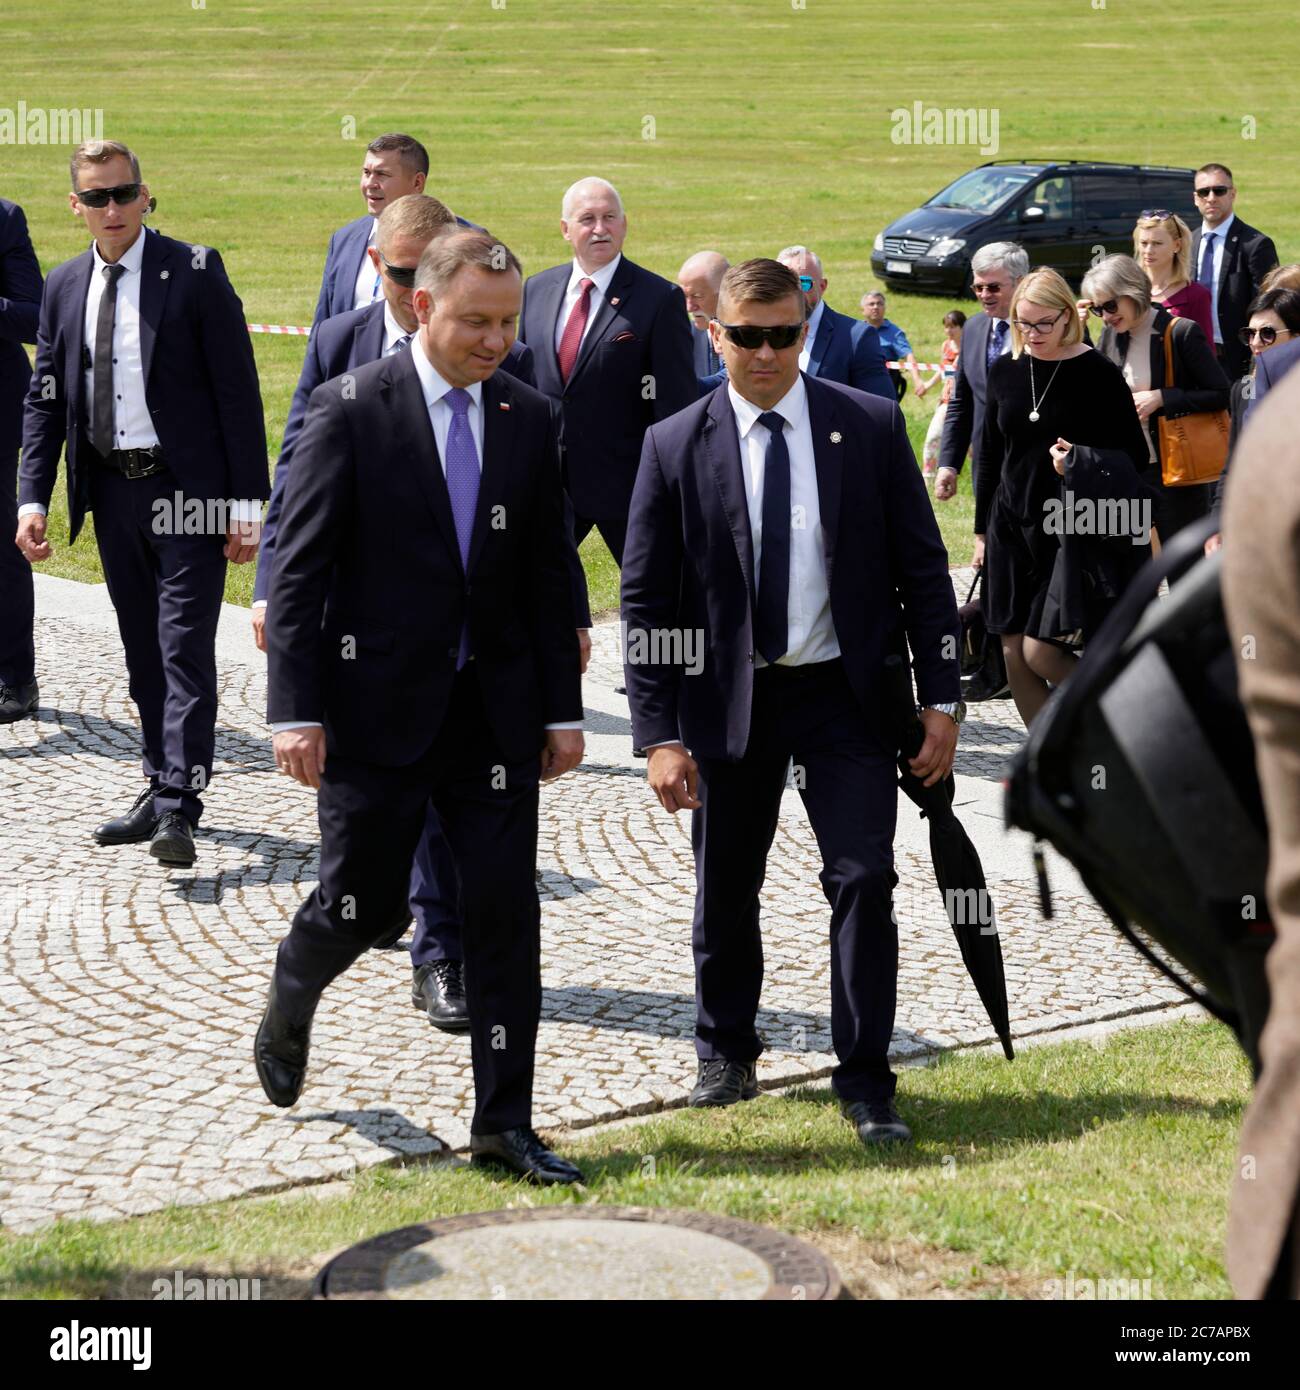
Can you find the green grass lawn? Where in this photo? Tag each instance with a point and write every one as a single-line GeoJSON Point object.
{"type": "Point", "coordinates": [742, 125]}
{"type": "Point", "coordinates": [1109, 1160]}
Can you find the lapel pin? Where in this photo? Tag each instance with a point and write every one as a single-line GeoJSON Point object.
{"type": "Point", "coordinates": [503, 405]}
{"type": "Point", "coordinates": [836, 436]}
{"type": "Point", "coordinates": [615, 300]}
{"type": "Point", "coordinates": [164, 274]}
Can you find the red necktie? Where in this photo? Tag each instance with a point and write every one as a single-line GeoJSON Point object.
{"type": "Point", "coordinates": [571, 338]}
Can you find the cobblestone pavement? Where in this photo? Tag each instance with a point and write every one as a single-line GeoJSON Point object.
{"type": "Point", "coordinates": [129, 994]}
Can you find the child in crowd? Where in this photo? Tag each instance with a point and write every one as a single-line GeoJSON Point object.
{"type": "Point", "coordinates": [953, 322]}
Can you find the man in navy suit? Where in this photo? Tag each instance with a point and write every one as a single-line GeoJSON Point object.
{"type": "Point", "coordinates": [341, 344]}
{"type": "Point", "coordinates": [996, 269]}
{"type": "Point", "coordinates": [780, 546]}
{"type": "Point", "coordinates": [837, 347]}
{"type": "Point", "coordinates": [434, 659]}
{"type": "Point", "coordinates": [1230, 258]}
{"type": "Point", "coordinates": [395, 166]}
{"type": "Point", "coordinates": [699, 280]}
{"type": "Point", "coordinates": [145, 375]}
{"type": "Point", "coordinates": [20, 306]}
{"type": "Point", "coordinates": [611, 344]}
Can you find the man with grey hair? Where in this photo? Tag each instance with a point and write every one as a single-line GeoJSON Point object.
{"type": "Point", "coordinates": [996, 269]}
{"type": "Point", "coordinates": [699, 280]}
{"type": "Point", "coordinates": [612, 346]}
{"type": "Point", "coordinates": [836, 347]}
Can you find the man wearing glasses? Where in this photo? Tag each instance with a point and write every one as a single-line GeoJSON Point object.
{"type": "Point", "coordinates": [145, 377]}
{"type": "Point", "coordinates": [837, 347]}
{"type": "Point", "coordinates": [780, 527]}
{"type": "Point", "coordinates": [1229, 258]}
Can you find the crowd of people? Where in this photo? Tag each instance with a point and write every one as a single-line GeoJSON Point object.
{"type": "Point", "coordinates": [456, 431]}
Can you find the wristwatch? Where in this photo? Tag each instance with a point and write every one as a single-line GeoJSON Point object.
{"type": "Point", "coordinates": [955, 712]}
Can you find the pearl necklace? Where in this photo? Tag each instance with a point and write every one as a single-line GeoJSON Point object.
{"type": "Point", "coordinates": [1033, 395]}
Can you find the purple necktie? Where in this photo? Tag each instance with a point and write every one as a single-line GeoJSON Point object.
{"type": "Point", "coordinates": [463, 478]}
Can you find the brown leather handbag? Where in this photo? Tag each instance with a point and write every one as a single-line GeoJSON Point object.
{"type": "Point", "coordinates": [1193, 448]}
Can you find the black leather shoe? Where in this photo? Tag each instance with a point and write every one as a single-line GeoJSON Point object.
{"type": "Point", "coordinates": [18, 701]}
{"type": "Point", "coordinates": [439, 989]}
{"type": "Point", "coordinates": [173, 841]}
{"type": "Point", "coordinates": [721, 1082]}
{"type": "Point", "coordinates": [138, 824]}
{"type": "Point", "coordinates": [522, 1152]}
{"type": "Point", "coordinates": [280, 1053]}
{"type": "Point", "coordinates": [877, 1122]}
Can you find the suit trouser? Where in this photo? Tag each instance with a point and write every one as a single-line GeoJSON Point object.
{"type": "Point", "coordinates": [434, 897]}
{"type": "Point", "coordinates": [371, 819]}
{"type": "Point", "coordinates": [166, 590]}
{"type": "Point", "coordinates": [613, 533]}
{"type": "Point", "coordinates": [17, 602]}
{"type": "Point", "coordinates": [848, 783]}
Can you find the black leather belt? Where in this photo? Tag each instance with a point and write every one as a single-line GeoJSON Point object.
{"type": "Point", "coordinates": [803, 672]}
{"type": "Point", "coordinates": [136, 463]}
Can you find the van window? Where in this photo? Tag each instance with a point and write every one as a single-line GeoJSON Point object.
{"type": "Point", "coordinates": [1110, 197]}
{"type": "Point", "coordinates": [1056, 197]}
{"type": "Point", "coordinates": [981, 190]}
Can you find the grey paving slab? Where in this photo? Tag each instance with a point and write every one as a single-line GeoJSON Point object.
{"type": "Point", "coordinates": [129, 994]}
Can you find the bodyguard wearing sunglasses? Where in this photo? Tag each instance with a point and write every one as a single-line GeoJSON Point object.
{"type": "Point", "coordinates": [1230, 259]}
{"type": "Point", "coordinates": [781, 524]}
{"type": "Point", "coordinates": [155, 397]}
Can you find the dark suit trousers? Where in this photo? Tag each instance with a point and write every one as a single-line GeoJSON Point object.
{"type": "Point", "coordinates": [614, 534]}
{"type": "Point", "coordinates": [435, 898]}
{"type": "Point", "coordinates": [847, 780]}
{"type": "Point", "coordinates": [17, 606]}
{"type": "Point", "coordinates": [371, 820]}
{"type": "Point", "coordinates": [166, 591]}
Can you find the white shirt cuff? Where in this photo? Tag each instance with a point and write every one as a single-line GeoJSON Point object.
{"type": "Point", "coordinates": [245, 509]}
{"type": "Point", "coordinates": [664, 743]}
{"type": "Point", "coordinates": [569, 724]}
{"type": "Point", "coordinates": [286, 724]}
{"type": "Point", "coordinates": [31, 509]}
{"type": "Point", "coordinates": [259, 603]}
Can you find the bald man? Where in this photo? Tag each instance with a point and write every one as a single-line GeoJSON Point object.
{"type": "Point", "coordinates": [612, 344]}
{"type": "Point", "coordinates": [699, 280]}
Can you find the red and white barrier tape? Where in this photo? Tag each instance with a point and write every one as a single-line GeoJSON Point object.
{"type": "Point", "coordinates": [276, 328]}
{"type": "Point", "coordinates": [920, 366]}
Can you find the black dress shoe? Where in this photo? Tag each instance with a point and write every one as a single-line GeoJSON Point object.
{"type": "Point", "coordinates": [280, 1053]}
{"type": "Point", "coordinates": [138, 824]}
{"type": "Point", "coordinates": [18, 701]}
{"type": "Point", "coordinates": [173, 841]}
{"type": "Point", "coordinates": [522, 1152]}
{"type": "Point", "coordinates": [721, 1082]}
{"type": "Point", "coordinates": [876, 1121]}
{"type": "Point", "coordinates": [439, 989]}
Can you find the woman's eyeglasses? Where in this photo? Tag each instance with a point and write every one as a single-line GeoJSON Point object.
{"type": "Point", "coordinates": [1111, 306]}
{"type": "Point", "coordinates": [1042, 326]}
{"type": "Point", "coordinates": [1266, 335]}
{"type": "Point", "coordinates": [98, 197]}
{"type": "Point", "coordinates": [1162, 213]}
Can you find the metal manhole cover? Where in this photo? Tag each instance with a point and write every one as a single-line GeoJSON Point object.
{"type": "Point", "coordinates": [585, 1253]}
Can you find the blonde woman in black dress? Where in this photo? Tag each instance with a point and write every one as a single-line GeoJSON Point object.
{"type": "Point", "coordinates": [1051, 392]}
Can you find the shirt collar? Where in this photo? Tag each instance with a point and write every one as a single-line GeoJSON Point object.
{"type": "Point", "coordinates": [814, 322]}
{"type": "Point", "coordinates": [431, 381]}
{"type": "Point", "coordinates": [600, 278]}
{"type": "Point", "coordinates": [1221, 230]}
{"type": "Point", "coordinates": [793, 406]}
{"type": "Point", "coordinates": [392, 329]}
{"type": "Point", "coordinates": [130, 261]}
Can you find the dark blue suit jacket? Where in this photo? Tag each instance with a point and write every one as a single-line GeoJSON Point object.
{"type": "Point", "coordinates": [20, 307]}
{"type": "Point", "coordinates": [337, 346]}
{"type": "Point", "coordinates": [368, 551]}
{"type": "Point", "coordinates": [849, 351]}
{"type": "Point", "coordinates": [200, 380]}
{"type": "Point", "coordinates": [641, 342]}
{"type": "Point", "coordinates": [688, 566]}
{"type": "Point", "coordinates": [347, 249]}
{"type": "Point", "coordinates": [963, 425]}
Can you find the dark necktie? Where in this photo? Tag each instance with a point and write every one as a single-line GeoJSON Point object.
{"type": "Point", "coordinates": [571, 338]}
{"type": "Point", "coordinates": [772, 620]}
{"type": "Point", "coordinates": [398, 345]}
{"type": "Point", "coordinates": [101, 430]}
{"type": "Point", "coordinates": [463, 479]}
{"type": "Point", "coordinates": [1206, 277]}
{"type": "Point", "coordinates": [996, 339]}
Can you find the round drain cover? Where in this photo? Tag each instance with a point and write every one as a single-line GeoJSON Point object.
{"type": "Point", "coordinates": [581, 1252]}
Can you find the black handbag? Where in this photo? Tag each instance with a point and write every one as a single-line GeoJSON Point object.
{"type": "Point", "coordinates": [983, 668]}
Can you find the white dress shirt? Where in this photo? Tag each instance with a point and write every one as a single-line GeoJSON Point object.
{"type": "Point", "coordinates": [393, 331]}
{"type": "Point", "coordinates": [435, 389]}
{"type": "Point", "coordinates": [573, 294]}
{"type": "Point", "coordinates": [367, 288]}
{"type": "Point", "coordinates": [814, 323]}
{"type": "Point", "coordinates": [1220, 235]}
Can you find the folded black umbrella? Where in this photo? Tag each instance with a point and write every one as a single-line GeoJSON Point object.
{"type": "Point", "coordinates": [957, 867]}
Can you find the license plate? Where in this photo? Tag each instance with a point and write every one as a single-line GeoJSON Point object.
{"type": "Point", "coordinates": [899, 267]}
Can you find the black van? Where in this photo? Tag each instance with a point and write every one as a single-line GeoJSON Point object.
{"type": "Point", "coordinates": [1065, 213]}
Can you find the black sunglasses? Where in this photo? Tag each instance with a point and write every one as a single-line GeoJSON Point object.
{"type": "Point", "coordinates": [1219, 190]}
{"type": "Point", "coordinates": [1109, 307]}
{"type": "Point", "coordinates": [1162, 213]}
{"type": "Point", "coordinates": [403, 275]}
{"type": "Point", "coordinates": [1266, 335]}
{"type": "Point", "coordinates": [749, 336]}
{"type": "Point", "coordinates": [98, 197]}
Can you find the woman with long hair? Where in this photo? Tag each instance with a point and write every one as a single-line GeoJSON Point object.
{"type": "Point", "coordinates": [1162, 246]}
